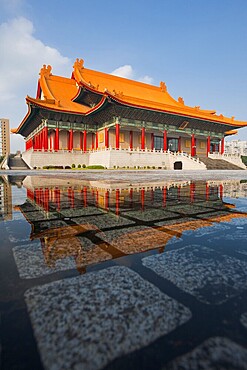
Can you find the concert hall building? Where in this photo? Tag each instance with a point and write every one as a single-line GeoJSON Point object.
{"type": "Point", "coordinates": [94, 118]}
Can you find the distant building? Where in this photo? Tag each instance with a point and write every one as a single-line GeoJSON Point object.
{"type": "Point", "coordinates": [4, 137]}
{"type": "Point", "coordinates": [236, 147]}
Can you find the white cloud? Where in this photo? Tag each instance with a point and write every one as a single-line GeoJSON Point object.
{"type": "Point", "coordinates": [125, 71]}
{"type": "Point", "coordinates": [22, 56]}
{"type": "Point", "coordinates": [147, 80]}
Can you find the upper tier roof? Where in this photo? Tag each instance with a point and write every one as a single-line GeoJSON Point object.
{"type": "Point", "coordinates": [60, 93]}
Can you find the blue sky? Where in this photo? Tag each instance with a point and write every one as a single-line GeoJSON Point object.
{"type": "Point", "coordinates": [198, 47]}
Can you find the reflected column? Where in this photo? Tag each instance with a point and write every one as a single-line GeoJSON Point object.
{"type": "Point", "coordinates": [117, 201]}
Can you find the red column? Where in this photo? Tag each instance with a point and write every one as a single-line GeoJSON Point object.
{"type": "Point", "coordinates": [117, 135]}
{"type": "Point", "coordinates": [71, 196]}
{"type": "Point", "coordinates": [85, 140]}
{"type": "Point", "coordinates": [37, 141]}
{"type": "Point", "coordinates": [107, 199]}
{"type": "Point", "coordinates": [106, 138]}
{"type": "Point", "coordinates": [81, 141]}
{"type": "Point", "coordinates": [222, 146]}
{"type": "Point", "coordinates": [131, 196]}
{"type": "Point", "coordinates": [165, 140]}
{"type": "Point", "coordinates": [46, 200]}
{"type": "Point", "coordinates": [131, 140]}
{"type": "Point", "coordinates": [193, 145]}
{"type": "Point", "coordinates": [34, 142]}
{"type": "Point", "coordinates": [143, 138]}
{"type": "Point", "coordinates": [208, 145]}
{"type": "Point", "coordinates": [56, 139]}
{"type": "Point", "coordinates": [164, 196]}
{"type": "Point", "coordinates": [97, 140]}
{"type": "Point", "coordinates": [152, 141]}
{"type": "Point", "coordinates": [207, 191]}
{"type": "Point", "coordinates": [142, 198]}
{"type": "Point", "coordinates": [41, 139]}
{"type": "Point", "coordinates": [179, 144]}
{"type": "Point", "coordinates": [92, 140]}
{"type": "Point", "coordinates": [70, 139]}
{"type": "Point", "coordinates": [45, 136]}
{"type": "Point", "coordinates": [85, 196]}
{"type": "Point", "coordinates": [221, 191]}
{"type": "Point", "coordinates": [192, 192]}
{"type": "Point", "coordinates": [58, 199]}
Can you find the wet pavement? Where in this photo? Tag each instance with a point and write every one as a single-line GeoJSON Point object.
{"type": "Point", "coordinates": [149, 272]}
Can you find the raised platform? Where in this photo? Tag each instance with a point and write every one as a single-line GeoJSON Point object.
{"type": "Point", "coordinates": [112, 158]}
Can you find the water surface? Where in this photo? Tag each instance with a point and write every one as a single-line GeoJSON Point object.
{"type": "Point", "coordinates": [102, 274]}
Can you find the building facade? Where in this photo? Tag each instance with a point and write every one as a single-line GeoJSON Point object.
{"type": "Point", "coordinates": [4, 137]}
{"type": "Point", "coordinates": [236, 147]}
{"type": "Point", "coordinates": [94, 111]}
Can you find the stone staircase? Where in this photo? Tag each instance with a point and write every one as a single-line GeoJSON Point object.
{"type": "Point", "coordinates": [218, 164]}
{"type": "Point", "coordinates": [17, 163]}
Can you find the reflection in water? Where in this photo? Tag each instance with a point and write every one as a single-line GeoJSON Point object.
{"type": "Point", "coordinates": [91, 222]}
{"type": "Point", "coordinates": [5, 199]}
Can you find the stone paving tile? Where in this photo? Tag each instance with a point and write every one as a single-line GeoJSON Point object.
{"type": "Point", "coordinates": [172, 222]}
{"type": "Point", "coordinates": [243, 319]}
{"type": "Point", "coordinates": [87, 321]}
{"type": "Point", "coordinates": [90, 253]}
{"type": "Point", "coordinates": [103, 221]}
{"type": "Point", "coordinates": [57, 255]}
{"type": "Point", "coordinates": [216, 353]}
{"type": "Point", "coordinates": [135, 239]}
{"type": "Point", "coordinates": [150, 214]}
{"type": "Point", "coordinates": [188, 209]}
{"type": "Point", "coordinates": [208, 275]}
{"type": "Point", "coordinates": [76, 212]}
{"type": "Point", "coordinates": [39, 216]}
{"type": "Point", "coordinates": [51, 224]}
{"type": "Point", "coordinates": [31, 262]}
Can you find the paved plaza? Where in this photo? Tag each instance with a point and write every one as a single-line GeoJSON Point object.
{"type": "Point", "coordinates": [153, 287]}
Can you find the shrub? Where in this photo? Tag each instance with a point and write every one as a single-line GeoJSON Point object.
{"type": "Point", "coordinates": [67, 167]}
{"type": "Point", "coordinates": [79, 166]}
{"type": "Point", "coordinates": [84, 166]}
{"type": "Point", "coordinates": [96, 167]}
{"type": "Point", "coordinates": [244, 159]}
{"type": "Point", "coordinates": [73, 165]}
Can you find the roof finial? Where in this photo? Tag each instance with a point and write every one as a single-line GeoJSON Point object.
{"type": "Point", "coordinates": [163, 86]}
{"type": "Point", "coordinates": [45, 71]}
{"type": "Point", "coordinates": [181, 100]}
{"type": "Point", "coordinates": [79, 63]}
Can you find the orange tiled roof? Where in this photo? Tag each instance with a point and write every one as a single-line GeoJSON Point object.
{"type": "Point", "coordinates": [143, 95]}
{"type": "Point", "coordinates": [59, 93]}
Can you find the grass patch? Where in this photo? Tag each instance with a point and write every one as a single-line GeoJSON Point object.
{"type": "Point", "coordinates": [244, 159]}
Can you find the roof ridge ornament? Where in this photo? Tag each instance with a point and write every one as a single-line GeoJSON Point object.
{"type": "Point", "coordinates": [163, 86]}
{"type": "Point", "coordinates": [45, 70]}
{"type": "Point", "coordinates": [181, 100]}
{"type": "Point", "coordinates": [79, 63]}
